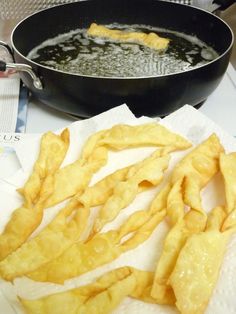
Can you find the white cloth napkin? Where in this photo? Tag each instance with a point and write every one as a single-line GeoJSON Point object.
{"type": "Point", "coordinates": [9, 99]}
{"type": "Point", "coordinates": [13, 104]}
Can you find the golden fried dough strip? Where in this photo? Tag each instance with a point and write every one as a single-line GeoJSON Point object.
{"type": "Point", "coordinates": [53, 149]}
{"type": "Point", "coordinates": [205, 164]}
{"type": "Point", "coordinates": [122, 136]}
{"type": "Point", "coordinates": [198, 167]}
{"type": "Point", "coordinates": [144, 232]}
{"type": "Point", "coordinates": [142, 223]}
{"type": "Point", "coordinates": [15, 233]}
{"type": "Point", "coordinates": [148, 172]}
{"type": "Point", "coordinates": [74, 178]}
{"type": "Point", "coordinates": [197, 268]}
{"type": "Point", "coordinates": [141, 217]}
{"type": "Point", "coordinates": [80, 258]}
{"type": "Point", "coordinates": [143, 287]}
{"type": "Point", "coordinates": [175, 203]}
{"type": "Point", "coordinates": [36, 191]}
{"type": "Point", "coordinates": [90, 146]}
{"type": "Point", "coordinates": [99, 193]}
{"type": "Point", "coordinates": [216, 218]}
{"type": "Point", "coordinates": [195, 169]}
{"type": "Point", "coordinates": [151, 40]}
{"type": "Point", "coordinates": [228, 166]}
{"type": "Point", "coordinates": [101, 296]}
{"type": "Point", "coordinates": [172, 245]}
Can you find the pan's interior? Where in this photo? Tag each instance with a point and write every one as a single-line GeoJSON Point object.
{"type": "Point", "coordinates": [77, 52]}
{"type": "Point", "coordinates": [61, 19]}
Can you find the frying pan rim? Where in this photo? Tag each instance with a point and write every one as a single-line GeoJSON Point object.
{"type": "Point", "coordinates": [126, 77]}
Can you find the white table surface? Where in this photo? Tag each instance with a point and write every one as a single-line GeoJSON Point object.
{"type": "Point", "coordinates": [220, 107]}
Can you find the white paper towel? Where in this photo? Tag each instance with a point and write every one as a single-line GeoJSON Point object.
{"type": "Point", "coordinates": [9, 162]}
{"type": "Point", "coordinates": [186, 121]}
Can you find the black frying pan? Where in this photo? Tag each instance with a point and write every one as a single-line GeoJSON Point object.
{"type": "Point", "coordinates": [86, 96]}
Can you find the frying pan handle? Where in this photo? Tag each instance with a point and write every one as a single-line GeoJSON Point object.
{"type": "Point", "coordinates": [224, 4]}
{"type": "Point", "coordinates": [18, 67]}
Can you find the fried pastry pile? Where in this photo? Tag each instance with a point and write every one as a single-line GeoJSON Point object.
{"type": "Point", "coordinates": [72, 243]}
